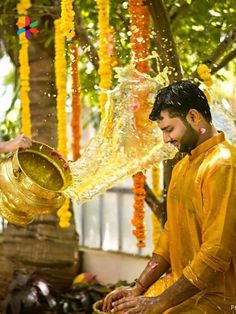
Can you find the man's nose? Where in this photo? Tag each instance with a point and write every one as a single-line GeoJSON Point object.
{"type": "Point", "coordinates": [166, 138]}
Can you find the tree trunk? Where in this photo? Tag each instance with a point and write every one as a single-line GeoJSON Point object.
{"type": "Point", "coordinates": [41, 246]}
{"type": "Point", "coordinates": [165, 44]}
{"type": "Point", "coordinates": [167, 52]}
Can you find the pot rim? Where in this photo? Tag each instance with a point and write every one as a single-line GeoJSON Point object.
{"type": "Point", "coordinates": [57, 162]}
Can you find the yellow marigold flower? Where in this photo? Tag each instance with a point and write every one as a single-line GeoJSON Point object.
{"type": "Point", "coordinates": [208, 82]}
{"type": "Point", "coordinates": [202, 68]}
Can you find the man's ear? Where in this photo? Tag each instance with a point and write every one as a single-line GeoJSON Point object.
{"type": "Point", "coordinates": [193, 117]}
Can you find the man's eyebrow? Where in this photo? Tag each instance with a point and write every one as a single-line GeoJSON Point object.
{"type": "Point", "coordinates": [166, 127]}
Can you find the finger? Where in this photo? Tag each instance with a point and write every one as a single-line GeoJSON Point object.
{"type": "Point", "coordinates": [125, 305]}
{"type": "Point", "coordinates": [25, 142]}
{"type": "Point", "coordinates": [133, 311]}
{"type": "Point", "coordinates": [107, 305]}
{"type": "Point", "coordinates": [122, 300]}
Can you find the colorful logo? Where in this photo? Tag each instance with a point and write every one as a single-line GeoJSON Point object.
{"type": "Point", "coordinates": [28, 27]}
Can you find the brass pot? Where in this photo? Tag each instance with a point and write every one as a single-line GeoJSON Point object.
{"type": "Point", "coordinates": [32, 182]}
{"type": "Point", "coordinates": [97, 308]}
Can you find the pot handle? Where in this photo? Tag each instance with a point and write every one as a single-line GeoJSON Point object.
{"type": "Point", "coordinates": [17, 172]}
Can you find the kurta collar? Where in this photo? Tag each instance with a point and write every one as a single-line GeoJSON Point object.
{"type": "Point", "coordinates": [205, 146]}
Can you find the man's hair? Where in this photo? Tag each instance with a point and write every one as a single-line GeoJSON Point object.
{"type": "Point", "coordinates": [178, 98]}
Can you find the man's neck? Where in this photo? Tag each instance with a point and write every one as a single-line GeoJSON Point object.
{"type": "Point", "coordinates": [210, 132]}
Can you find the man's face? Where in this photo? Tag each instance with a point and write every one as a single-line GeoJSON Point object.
{"type": "Point", "coordinates": [180, 134]}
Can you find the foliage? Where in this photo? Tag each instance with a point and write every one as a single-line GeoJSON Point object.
{"type": "Point", "coordinates": [198, 27]}
{"type": "Point", "coordinates": [200, 30]}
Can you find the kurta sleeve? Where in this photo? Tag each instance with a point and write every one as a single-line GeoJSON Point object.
{"type": "Point", "coordinates": [162, 247]}
{"type": "Point", "coordinates": [218, 227]}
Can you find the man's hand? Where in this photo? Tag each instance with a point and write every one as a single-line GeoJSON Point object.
{"type": "Point", "coordinates": [118, 294]}
{"type": "Point", "coordinates": [137, 305]}
{"type": "Point", "coordinates": [21, 141]}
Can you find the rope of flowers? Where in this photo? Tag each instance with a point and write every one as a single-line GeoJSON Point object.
{"type": "Point", "coordinates": [67, 18]}
{"type": "Point", "coordinates": [104, 70]}
{"type": "Point", "coordinates": [139, 26]}
{"type": "Point", "coordinates": [60, 73]}
{"type": "Point", "coordinates": [156, 225]}
{"type": "Point", "coordinates": [75, 119]}
{"type": "Point", "coordinates": [22, 8]}
{"type": "Point", "coordinates": [205, 75]}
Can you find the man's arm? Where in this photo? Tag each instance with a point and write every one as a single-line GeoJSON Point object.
{"type": "Point", "coordinates": [180, 291]}
{"type": "Point", "coordinates": [156, 267]}
{"type": "Point", "coordinates": [177, 293]}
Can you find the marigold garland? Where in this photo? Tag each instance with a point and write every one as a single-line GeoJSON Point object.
{"type": "Point", "coordinates": [139, 26]}
{"type": "Point", "coordinates": [139, 213]}
{"type": "Point", "coordinates": [24, 72]}
{"type": "Point", "coordinates": [104, 71]}
{"type": "Point", "coordinates": [111, 48]}
{"type": "Point", "coordinates": [156, 226]}
{"type": "Point", "coordinates": [75, 120]}
{"type": "Point", "coordinates": [205, 74]}
{"type": "Point", "coordinates": [64, 214]}
{"type": "Point", "coordinates": [67, 18]}
{"type": "Point", "coordinates": [23, 6]}
{"type": "Point", "coordinates": [60, 71]}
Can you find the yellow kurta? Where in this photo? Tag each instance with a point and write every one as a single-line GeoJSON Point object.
{"type": "Point", "coordinates": [199, 239]}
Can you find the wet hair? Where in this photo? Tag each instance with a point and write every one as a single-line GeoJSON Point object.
{"type": "Point", "coordinates": [178, 98]}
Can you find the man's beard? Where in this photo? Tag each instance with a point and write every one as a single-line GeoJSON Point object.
{"type": "Point", "coordinates": [189, 139]}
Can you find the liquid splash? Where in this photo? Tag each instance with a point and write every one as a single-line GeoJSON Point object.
{"type": "Point", "coordinates": [122, 146]}
{"type": "Point", "coordinates": [225, 121]}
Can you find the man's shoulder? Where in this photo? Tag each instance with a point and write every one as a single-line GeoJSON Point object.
{"type": "Point", "coordinates": [224, 153]}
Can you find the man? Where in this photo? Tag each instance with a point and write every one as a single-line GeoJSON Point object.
{"type": "Point", "coordinates": [199, 238]}
{"type": "Point", "coordinates": [21, 141]}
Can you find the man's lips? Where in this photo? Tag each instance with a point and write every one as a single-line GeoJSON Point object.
{"type": "Point", "coordinates": [176, 144]}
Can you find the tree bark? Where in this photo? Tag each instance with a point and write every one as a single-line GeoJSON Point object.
{"type": "Point", "coordinates": [180, 11]}
{"type": "Point", "coordinates": [167, 52]}
{"type": "Point", "coordinates": [42, 92]}
{"type": "Point", "coordinates": [42, 246]}
{"type": "Point", "coordinates": [164, 40]}
{"type": "Point", "coordinates": [230, 56]}
{"type": "Point", "coordinates": [221, 49]}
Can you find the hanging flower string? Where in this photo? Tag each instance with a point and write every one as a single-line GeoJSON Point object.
{"type": "Point", "coordinates": [138, 216]}
{"type": "Point", "coordinates": [60, 70]}
{"type": "Point", "coordinates": [24, 71]}
{"type": "Point", "coordinates": [205, 75]}
{"type": "Point", "coordinates": [139, 26]}
{"type": "Point", "coordinates": [111, 48]}
{"type": "Point", "coordinates": [67, 18]}
{"type": "Point", "coordinates": [64, 214]}
{"type": "Point", "coordinates": [23, 6]}
{"type": "Point", "coordinates": [75, 120]}
{"type": "Point", "coordinates": [156, 226]}
{"type": "Point", "coordinates": [104, 71]}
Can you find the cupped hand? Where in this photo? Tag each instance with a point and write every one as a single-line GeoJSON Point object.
{"type": "Point", "coordinates": [21, 141]}
{"type": "Point", "coordinates": [136, 305]}
{"type": "Point", "coordinates": [118, 294]}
